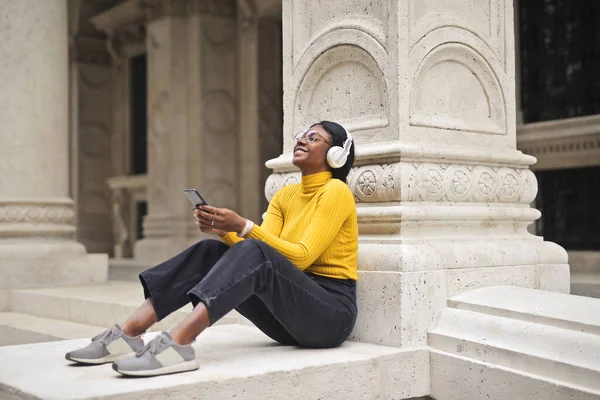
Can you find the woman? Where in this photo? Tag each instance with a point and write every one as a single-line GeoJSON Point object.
{"type": "Point", "coordinates": [294, 276]}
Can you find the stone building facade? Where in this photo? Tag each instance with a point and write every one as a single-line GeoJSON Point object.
{"type": "Point", "coordinates": [187, 94]}
{"type": "Point", "coordinates": [168, 94]}
{"type": "Point", "coordinates": [173, 94]}
{"type": "Point", "coordinates": [110, 109]}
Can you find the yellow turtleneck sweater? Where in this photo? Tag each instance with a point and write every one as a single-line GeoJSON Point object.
{"type": "Point", "coordinates": [314, 225]}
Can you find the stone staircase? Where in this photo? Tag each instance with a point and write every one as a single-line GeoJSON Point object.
{"type": "Point", "coordinates": [497, 342]}
{"type": "Point", "coordinates": [76, 312]}
{"type": "Point", "coordinates": [41, 315]}
{"type": "Point", "coordinates": [516, 343]}
{"type": "Point", "coordinates": [237, 360]}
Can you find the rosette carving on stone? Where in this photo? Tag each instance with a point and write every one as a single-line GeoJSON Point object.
{"type": "Point", "coordinates": [375, 183]}
{"type": "Point", "coordinates": [277, 181]}
{"type": "Point", "coordinates": [367, 183]}
{"type": "Point", "coordinates": [431, 182]}
{"type": "Point", "coordinates": [37, 214]}
{"type": "Point", "coordinates": [467, 183]}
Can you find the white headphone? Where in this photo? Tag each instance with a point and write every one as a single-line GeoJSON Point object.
{"type": "Point", "coordinates": [338, 155]}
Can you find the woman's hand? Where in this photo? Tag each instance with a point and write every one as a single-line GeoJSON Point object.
{"type": "Point", "coordinates": [218, 220]}
{"type": "Point", "coordinates": [205, 229]}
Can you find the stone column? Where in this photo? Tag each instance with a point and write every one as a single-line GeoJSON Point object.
{"type": "Point", "coordinates": [192, 118]}
{"type": "Point", "coordinates": [36, 213]}
{"type": "Point", "coordinates": [428, 90]}
{"type": "Point", "coordinates": [90, 110]}
{"type": "Point", "coordinates": [260, 92]}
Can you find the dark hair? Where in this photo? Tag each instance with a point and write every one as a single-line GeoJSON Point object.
{"type": "Point", "coordinates": [339, 136]}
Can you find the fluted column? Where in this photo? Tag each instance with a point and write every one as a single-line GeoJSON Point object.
{"type": "Point", "coordinates": [36, 214]}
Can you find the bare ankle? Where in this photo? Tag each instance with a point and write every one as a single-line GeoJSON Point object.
{"type": "Point", "coordinates": [131, 330]}
{"type": "Point", "coordinates": [181, 338]}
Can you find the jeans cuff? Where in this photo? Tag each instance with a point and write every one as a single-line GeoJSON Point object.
{"type": "Point", "coordinates": [213, 314]}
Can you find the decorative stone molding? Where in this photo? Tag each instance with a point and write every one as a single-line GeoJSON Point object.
{"type": "Point", "coordinates": [177, 8]}
{"type": "Point", "coordinates": [60, 214]}
{"type": "Point", "coordinates": [359, 64]}
{"type": "Point", "coordinates": [25, 218]}
{"type": "Point", "coordinates": [485, 21]}
{"type": "Point", "coordinates": [130, 35]}
{"type": "Point", "coordinates": [217, 8]}
{"type": "Point", "coordinates": [277, 181]}
{"type": "Point", "coordinates": [156, 9]}
{"type": "Point", "coordinates": [571, 142]}
{"type": "Point", "coordinates": [461, 183]}
{"type": "Point", "coordinates": [566, 146]}
{"type": "Point", "coordinates": [124, 14]}
{"type": "Point", "coordinates": [430, 182]}
{"type": "Point", "coordinates": [482, 111]}
{"type": "Point", "coordinates": [125, 27]}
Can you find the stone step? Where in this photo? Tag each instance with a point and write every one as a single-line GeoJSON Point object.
{"type": "Point", "coordinates": [561, 310]}
{"type": "Point", "coordinates": [124, 269]}
{"type": "Point", "coordinates": [583, 284]}
{"type": "Point", "coordinates": [531, 340]}
{"type": "Point", "coordinates": [17, 328]}
{"type": "Point", "coordinates": [98, 305]}
{"type": "Point", "coordinates": [235, 362]}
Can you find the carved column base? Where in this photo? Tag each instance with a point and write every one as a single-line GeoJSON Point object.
{"type": "Point", "coordinates": [37, 246]}
{"type": "Point", "coordinates": [402, 287]}
{"type": "Point", "coordinates": [434, 223]}
{"type": "Point", "coordinates": [38, 218]}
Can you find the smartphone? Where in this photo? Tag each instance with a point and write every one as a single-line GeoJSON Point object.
{"type": "Point", "coordinates": [195, 197]}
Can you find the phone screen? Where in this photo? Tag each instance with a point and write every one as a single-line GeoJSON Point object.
{"type": "Point", "coordinates": [195, 197]}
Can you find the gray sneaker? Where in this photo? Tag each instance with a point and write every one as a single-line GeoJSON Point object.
{"type": "Point", "coordinates": [106, 347]}
{"type": "Point", "coordinates": [159, 357]}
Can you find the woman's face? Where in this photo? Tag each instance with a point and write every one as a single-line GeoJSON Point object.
{"type": "Point", "coordinates": [311, 156]}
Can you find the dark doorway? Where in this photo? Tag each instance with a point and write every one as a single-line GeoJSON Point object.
{"type": "Point", "coordinates": [569, 200]}
{"type": "Point", "coordinates": [139, 115]}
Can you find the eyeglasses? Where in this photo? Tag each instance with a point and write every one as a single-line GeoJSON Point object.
{"type": "Point", "coordinates": [309, 136]}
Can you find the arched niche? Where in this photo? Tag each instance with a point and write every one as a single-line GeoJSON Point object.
{"type": "Point", "coordinates": [345, 83]}
{"type": "Point", "coordinates": [455, 88]}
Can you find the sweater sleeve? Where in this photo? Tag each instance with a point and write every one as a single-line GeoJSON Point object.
{"type": "Point", "coordinates": [333, 208]}
{"type": "Point", "coordinates": [231, 238]}
{"type": "Point", "coordinates": [273, 222]}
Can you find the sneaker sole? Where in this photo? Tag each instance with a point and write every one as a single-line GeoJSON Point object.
{"type": "Point", "coordinates": [97, 361]}
{"type": "Point", "coordinates": [171, 369]}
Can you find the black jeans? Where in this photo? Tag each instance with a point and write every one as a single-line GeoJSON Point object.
{"type": "Point", "coordinates": [288, 305]}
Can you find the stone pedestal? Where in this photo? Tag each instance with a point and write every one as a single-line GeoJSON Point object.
{"type": "Point", "coordinates": [427, 90]}
{"type": "Point", "coordinates": [192, 118]}
{"type": "Point", "coordinates": [36, 213]}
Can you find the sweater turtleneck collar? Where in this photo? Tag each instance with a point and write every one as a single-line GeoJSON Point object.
{"type": "Point", "coordinates": [312, 183]}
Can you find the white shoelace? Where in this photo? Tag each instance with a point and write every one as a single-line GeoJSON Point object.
{"type": "Point", "coordinates": [107, 336]}
{"type": "Point", "coordinates": [153, 346]}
